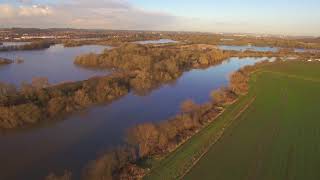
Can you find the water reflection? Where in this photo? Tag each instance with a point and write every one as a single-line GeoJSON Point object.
{"type": "Point", "coordinates": [5, 44]}
{"type": "Point", "coordinates": [55, 63]}
{"type": "Point", "coordinates": [262, 49]}
{"type": "Point", "coordinates": [73, 142]}
{"type": "Point", "coordinates": [252, 48]}
{"type": "Point", "coordinates": [160, 41]}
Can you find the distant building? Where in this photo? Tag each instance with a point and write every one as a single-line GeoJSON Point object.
{"type": "Point", "coordinates": [227, 39]}
{"type": "Point", "coordinates": [38, 37]}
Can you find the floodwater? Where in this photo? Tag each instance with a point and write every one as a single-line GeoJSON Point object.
{"type": "Point", "coordinates": [54, 63]}
{"type": "Point", "coordinates": [252, 48]}
{"type": "Point", "coordinates": [160, 41]}
{"type": "Point", "coordinates": [5, 44]}
{"type": "Point", "coordinates": [262, 49]}
{"type": "Point", "coordinates": [71, 143]}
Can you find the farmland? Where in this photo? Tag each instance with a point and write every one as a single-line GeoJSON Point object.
{"type": "Point", "coordinates": [272, 133]}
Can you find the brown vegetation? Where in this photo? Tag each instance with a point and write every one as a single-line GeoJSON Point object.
{"type": "Point", "coordinates": [216, 39]}
{"type": "Point", "coordinates": [66, 176]}
{"type": "Point", "coordinates": [39, 101]}
{"type": "Point", "coordinates": [224, 96]}
{"type": "Point", "coordinates": [144, 68]}
{"type": "Point", "coordinates": [135, 57]}
{"type": "Point", "coordinates": [4, 61]}
{"type": "Point", "coordinates": [152, 65]}
{"type": "Point", "coordinates": [141, 68]}
{"type": "Point", "coordinates": [151, 140]}
{"type": "Point", "coordinates": [239, 82]}
{"type": "Point", "coordinates": [73, 43]}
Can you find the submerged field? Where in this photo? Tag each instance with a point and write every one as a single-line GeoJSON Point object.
{"type": "Point", "coordinates": [275, 137]}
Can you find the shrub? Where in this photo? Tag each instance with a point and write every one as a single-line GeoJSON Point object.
{"type": "Point", "coordinates": [188, 106]}
{"type": "Point", "coordinates": [223, 96]}
{"type": "Point", "coordinates": [239, 83]}
{"type": "Point", "coordinates": [66, 176]}
{"type": "Point", "coordinates": [144, 137]}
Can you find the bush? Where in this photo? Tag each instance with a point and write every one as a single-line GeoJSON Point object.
{"type": "Point", "coordinates": [144, 137]}
{"type": "Point", "coordinates": [188, 106]}
{"type": "Point", "coordinates": [66, 176]}
{"type": "Point", "coordinates": [239, 83]}
{"type": "Point", "coordinates": [38, 101]}
{"type": "Point", "coordinates": [223, 96]}
{"type": "Point", "coordinates": [28, 113]}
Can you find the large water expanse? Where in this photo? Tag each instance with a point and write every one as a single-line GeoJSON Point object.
{"type": "Point", "coordinates": [71, 143]}
{"type": "Point", "coordinates": [244, 48]}
{"type": "Point", "coordinates": [261, 49]}
{"type": "Point", "coordinates": [55, 63]}
{"type": "Point", "coordinates": [160, 41]}
{"type": "Point", "coordinates": [5, 44]}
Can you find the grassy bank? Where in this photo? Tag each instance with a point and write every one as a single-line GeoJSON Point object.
{"type": "Point", "coordinates": [178, 162]}
{"type": "Point", "coordinates": [277, 137]}
{"type": "Point", "coordinates": [250, 143]}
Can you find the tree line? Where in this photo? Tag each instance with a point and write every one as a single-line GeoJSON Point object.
{"type": "Point", "coordinates": [35, 45]}
{"type": "Point", "coordinates": [217, 39]}
{"type": "Point", "coordinates": [151, 140]}
{"type": "Point", "coordinates": [39, 101]}
{"type": "Point", "coordinates": [140, 69]}
{"type": "Point", "coordinates": [152, 65]}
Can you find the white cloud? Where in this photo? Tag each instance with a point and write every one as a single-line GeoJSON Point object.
{"type": "Point", "coordinates": [121, 14]}
{"type": "Point", "coordinates": [34, 10]}
{"type": "Point", "coordinates": [7, 11]}
{"type": "Point", "coordinates": [107, 14]}
{"type": "Point", "coordinates": [14, 12]}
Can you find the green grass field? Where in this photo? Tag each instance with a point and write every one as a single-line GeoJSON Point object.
{"type": "Point", "coordinates": [276, 137]}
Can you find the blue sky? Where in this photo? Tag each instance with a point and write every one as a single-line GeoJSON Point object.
{"type": "Point", "coordinates": [273, 10]}
{"type": "Point", "coordinates": [295, 17]}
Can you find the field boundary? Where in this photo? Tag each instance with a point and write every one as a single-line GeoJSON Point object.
{"type": "Point", "coordinates": [186, 140]}
{"type": "Point", "coordinates": [293, 76]}
{"type": "Point", "coordinates": [185, 167]}
{"type": "Point", "coordinates": [220, 135]}
{"type": "Point", "coordinates": [201, 142]}
{"type": "Point", "coordinates": [274, 146]}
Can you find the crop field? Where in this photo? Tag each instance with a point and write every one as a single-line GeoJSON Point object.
{"type": "Point", "coordinates": [272, 133]}
{"type": "Point", "coordinates": [277, 137]}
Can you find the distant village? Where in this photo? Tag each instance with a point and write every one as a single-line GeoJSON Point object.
{"type": "Point", "coordinates": [27, 34]}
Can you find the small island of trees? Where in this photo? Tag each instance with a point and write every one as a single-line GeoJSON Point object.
{"type": "Point", "coordinates": [4, 61]}
{"type": "Point", "coordinates": [152, 140]}
{"type": "Point", "coordinates": [35, 45]}
{"type": "Point", "coordinates": [137, 68]}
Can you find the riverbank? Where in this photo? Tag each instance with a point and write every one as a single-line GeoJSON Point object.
{"type": "Point", "coordinates": [199, 148]}
{"type": "Point", "coordinates": [145, 72]}
{"type": "Point", "coordinates": [142, 67]}
{"type": "Point", "coordinates": [178, 163]}
{"type": "Point", "coordinates": [94, 130]}
{"type": "Point", "coordinates": [151, 141]}
{"type": "Point", "coordinates": [135, 116]}
{"type": "Point", "coordinates": [269, 139]}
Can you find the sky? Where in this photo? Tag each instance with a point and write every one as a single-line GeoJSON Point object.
{"type": "Point", "coordinates": [286, 17]}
